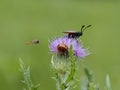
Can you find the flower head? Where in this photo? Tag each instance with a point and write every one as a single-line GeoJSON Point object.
{"type": "Point", "coordinates": [61, 47]}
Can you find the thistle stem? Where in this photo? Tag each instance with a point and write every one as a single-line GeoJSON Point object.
{"type": "Point", "coordinates": [72, 72]}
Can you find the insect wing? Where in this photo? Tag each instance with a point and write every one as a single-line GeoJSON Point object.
{"type": "Point", "coordinates": [70, 32]}
{"type": "Point", "coordinates": [29, 43]}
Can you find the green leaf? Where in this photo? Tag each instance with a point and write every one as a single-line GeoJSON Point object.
{"type": "Point", "coordinates": [26, 75]}
{"type": "Point", "coordinates": [88, 74]}
{"type": "Point", "coordinates": [108, 85]}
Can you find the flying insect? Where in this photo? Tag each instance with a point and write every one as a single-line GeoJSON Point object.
{"type": "Point", "coordinates": [33, 42]}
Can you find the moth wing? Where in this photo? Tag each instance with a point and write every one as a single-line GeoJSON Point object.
{"type": "Point", "coordinates": [69, 32]}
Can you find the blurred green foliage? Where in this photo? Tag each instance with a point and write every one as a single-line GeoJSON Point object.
{"type": "Point", "coordinates": [25, 20]}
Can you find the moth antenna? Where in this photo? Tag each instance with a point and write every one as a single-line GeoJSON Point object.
{"type": "Point", "coordinates": [87, 27]}
{"type": "Point", "coordinates": [82, 28]}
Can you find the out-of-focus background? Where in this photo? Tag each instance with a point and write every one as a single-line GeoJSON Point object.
{"type": "Point", "coordinates": [26, 20]}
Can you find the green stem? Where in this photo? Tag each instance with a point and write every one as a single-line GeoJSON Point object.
{"type": "Point", "coordinates": [72, 72]}
{"type": "Point", "coordinates": [72, 59]}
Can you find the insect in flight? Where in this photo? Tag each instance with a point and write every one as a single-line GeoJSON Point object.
{"type": "Point", "coordinates": [74, 34]}
{"type": "Point", "coordinates": [33, 42]}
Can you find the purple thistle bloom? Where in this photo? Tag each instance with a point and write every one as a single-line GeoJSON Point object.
{"type": "Point", "coordinates": [61, 47]}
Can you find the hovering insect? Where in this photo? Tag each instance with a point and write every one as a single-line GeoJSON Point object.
{"type": "Point", "coordinates": [33, 42]}
{"type": "Point", "coordinates": [76, 35]}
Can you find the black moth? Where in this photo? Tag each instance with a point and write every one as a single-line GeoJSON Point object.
{"type": "Point", "coordinates": [75, 35]}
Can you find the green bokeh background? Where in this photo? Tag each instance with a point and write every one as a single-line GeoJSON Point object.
{"type": "Point", "coordinates": [25, 20]}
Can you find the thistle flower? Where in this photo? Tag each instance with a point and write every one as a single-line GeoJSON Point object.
{"type": "Point", "coordinates": [61, 47]}
{"type": "Point", "coordinates": [65, 48]}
